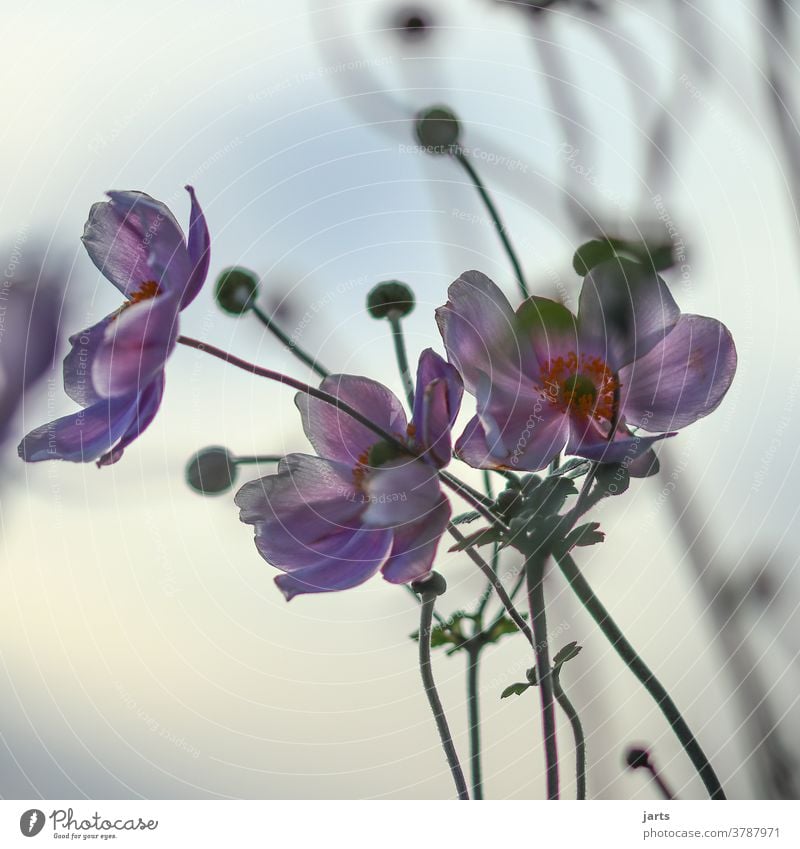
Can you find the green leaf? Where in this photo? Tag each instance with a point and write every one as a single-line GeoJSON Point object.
{"type": "Point", "coordinates": [612, 479]}
{"type": "Point", "coordinates": [583, 535]}
{"type": "Point", "coordinates": [569, 651]}
{"type": "Point", "coordinates": [572, 468]}
{"type": "Point", "coordinates": [515, 690]}
{"type": "Point", "coordinates": [502, 628]}
{"type": "Point", "coordinates": [481, 537]}
{"type": "Point", "coordinates": [466, 518]}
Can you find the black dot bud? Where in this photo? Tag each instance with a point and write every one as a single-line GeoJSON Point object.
{"type": "Point", "coordinates": [438, 129]}
{"type": "Point", "coordinates": [391, 296]}
{"type": "Point", "coordinates": [236, 290]}
{"type": "Point", "coordinates": [637, 758]}
{"type": "Point", "coordinates": [433, 583]}
{"type": "Point", "coordinates": [211, 471]}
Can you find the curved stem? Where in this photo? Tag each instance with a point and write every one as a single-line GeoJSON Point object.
{"type": "Point", "coordinates": [400, 352]}
{"type": "Point", "coordinates": [261, 458]}
{"type": "Point", "coordinates": [426, 669]}
{"type": "Point", "coordinates": [577, 732]}
{"type": "Point", "coordinates": [494, 581]}
{"type": "Point", "coordinates": [496, 220]}
{"type": "Point", "coordinates": [645, 676]}
{"type": "Point", "coordinates": [473, 707]}
{"type": "Point", "coordinates": [475, 499]}
{"type": "Point", "coordinates": [534, 570]}
{"type": "Point", "coordinates": [295, 349]}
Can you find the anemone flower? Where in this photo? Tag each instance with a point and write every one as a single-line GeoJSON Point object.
{"type": "Point", "coordinates": [115, 369]}
{"type": "Point", "coordinates": [333, 521]}
{"type": "Point", "coordinates": [548, 381]}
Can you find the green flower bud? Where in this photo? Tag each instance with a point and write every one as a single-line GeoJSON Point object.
{"type": "Point", "coordinates": [390, 296]}
{"type": "Point", "coordinates": [211, 471]}
{"type": "Point", "coordinates": [433, 583]}
{"type": "Point", "coordinates": [438, 130]}
{"type": "Point", "coordinates": [236, 290]}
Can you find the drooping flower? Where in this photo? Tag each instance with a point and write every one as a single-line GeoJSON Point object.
{"type": "Point", "coordinates": [547, 381]}
{"type": "Point", "coordinates": [331, 522]}
{"type": "Point", "coordinates": [115, 369]}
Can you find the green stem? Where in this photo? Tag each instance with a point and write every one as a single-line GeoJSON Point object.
{"type": "Point", "coordinates": [643, 673]}
{"type": "Point", "coordinates": [400, 352]}
{"type": "Point", "coordinates": [426, 669]}
{"type": "Point", "coordinates": [496, 220]}
{"type": "Point", "coordinates": [577, 732]}
{"type": "Point", "coordinates": [295, 349]}
{"type": "Point", "coordinates": [473, 705]}
{"type": "Point", "coordinates": [534, 570]}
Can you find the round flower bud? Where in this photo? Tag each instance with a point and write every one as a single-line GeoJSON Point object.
{"type": "Point", "coordinates": [438, 129]}
{"type": "Point", "coordinates": [391, 296]}
{"type": "Point", "coordinates": [236, 290]}
{"type": "Point", "coordinates": [636, 757]}
{"type": "Point", "coordinates": [211, 471]}
{"type": "Point", "coordinates": [433, 583]}
{"type": "Point", "coordinates": [412, 23]}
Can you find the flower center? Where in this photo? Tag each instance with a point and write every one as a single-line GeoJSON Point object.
{"type": "Point", "coordinates": [147, 290]}
{"type": "Point", "coordinates": [375, 456]}
{"type": "Point", "coordinates": [580, 384]}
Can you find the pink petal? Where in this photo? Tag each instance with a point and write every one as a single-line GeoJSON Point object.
{"type": "Point", "coordinates": [683, 378]}
{"type": "Point", "coordinates": [415, 546]}
{"type": "Point", "coordinates": [336, 435]}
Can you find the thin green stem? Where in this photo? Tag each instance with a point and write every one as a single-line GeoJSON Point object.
{"type": "Point", "coordinates": [471, 496]}
{"type": "Point", "coordinates": [473, 652]}
{"type": "Point", "coordinates": [495, 581]}
{"type": "Point", "coordinates": [577, 732]}
{"type": "Point", "coordinates": [295, 349]}
{"type": "Point", "coordinates": [395, 322]}
{"type": "Point", "coordinates": [426, 670]}
{"type": "Point", "coordinates": [459, 155]}
{"type": "Point", "coordinates": [534, 570]}
{"type": "Point", "coordinates": [261, 458]}
{"type": "Point", "coordinates": [643, 673]}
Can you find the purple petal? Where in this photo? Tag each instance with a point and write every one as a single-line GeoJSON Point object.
{"type": "Point", "coordinates": [479, 330]}
{"type": "Point", "coordinates": [134, 238]}
{"type": "Point", "coordinates": [146, 408]}
{"type": "Point", "coordinates": [356, 561]}
{"type": "Point", "coordinates": [519, 430]}
{"type": "Point", "coordinates": [78, 363]}
{"type": "Point", "coordinates": [136, 344]}
{"type": "Point", "coordinates": [400, 491]}
{"type": "Point", "coordinates": [309, 510]}
{"type": "Point", "coordinates": [624, 311]}
{"type": "Point", "coordinates": [199, 249]}
{"type": "Point", "coordinates": [586, 440]}
{"type": "Point", "coordinates": [437, 401]}
{"type": "Point", "coordinates": [82, 436]}
{"type": "Point", "coordinates": [415, 545]}
{"type": "Point", "coordinates": [683, 378]}
{"type": "Point", "coordinates": [336, 435]}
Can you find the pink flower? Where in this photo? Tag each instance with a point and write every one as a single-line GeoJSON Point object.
{"type": "Point", "coordinates": [547, 381]}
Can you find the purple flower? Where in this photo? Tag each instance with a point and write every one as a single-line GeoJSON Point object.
{"type": "Point", "coordinates": [115, 370]}
{"type": "Point", "coordinates": [547, 381]}
{"type": "Point", "coordinates": [331, 522]}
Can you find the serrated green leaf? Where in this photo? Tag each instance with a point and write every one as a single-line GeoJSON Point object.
{"type": "Point", "coordinates": [569, 651]}
{"type": "Point", "coordinates": [501, 628]}
{"type": "Point", "coordinates": [583, 535]}
{"type": "Point", "coordinates": [515, 690]}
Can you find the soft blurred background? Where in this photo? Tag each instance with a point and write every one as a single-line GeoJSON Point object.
{"type": "Point", "coordinates": [145, 650]}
